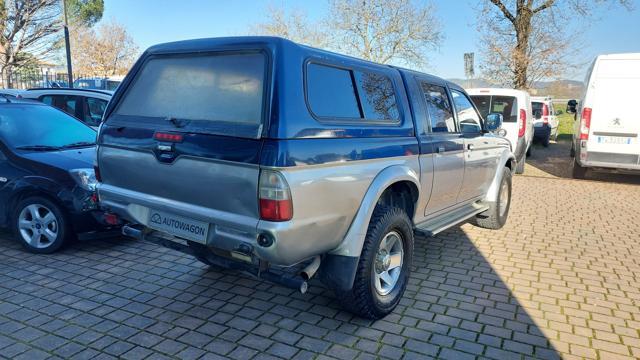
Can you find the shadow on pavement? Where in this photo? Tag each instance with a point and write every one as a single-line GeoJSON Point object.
{"type": "Point", "coordinates": [554, 161]}
{"type": "Point", "coordinates": [456, 305]}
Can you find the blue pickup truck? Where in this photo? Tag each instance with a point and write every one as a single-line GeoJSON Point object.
{"type": "Point", "coordinates": [260, 154]}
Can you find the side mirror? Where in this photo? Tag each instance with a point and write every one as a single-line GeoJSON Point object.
{"type": "Point", "coordinates": [571, 106]}
{"type": "Point", "coordinates": [493, 122]}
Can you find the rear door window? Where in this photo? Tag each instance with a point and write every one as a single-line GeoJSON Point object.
{"type": "Point", "coordinates": [536, 108]}
{"type": "Point", "coordinates": [94, 110]}
{"type": "Point", "coordinates": [67, 103]}
{"type": "Point", "coordinates": [439, 108]}
{"type": "Point", "coordinates": [220, 93]}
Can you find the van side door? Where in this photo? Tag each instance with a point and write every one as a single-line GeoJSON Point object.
{"type": "Point", "coordinates": [480, 160]}
{"type": "Point", "coordinates": [447, 145]}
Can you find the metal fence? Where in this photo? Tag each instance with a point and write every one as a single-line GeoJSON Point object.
{"type": "Point", "coordinates": [29, 80]}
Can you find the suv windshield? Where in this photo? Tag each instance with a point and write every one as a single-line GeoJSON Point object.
{"type": "Point", "coordinates": [505, 105]}
{"type": "Point", "coordinates": [220, 94]}
{"type": "Point", "coordinates": [42, 128]}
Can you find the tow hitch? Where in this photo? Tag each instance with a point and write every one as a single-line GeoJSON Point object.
{"type": "Point", "coordinates": [297, 281]}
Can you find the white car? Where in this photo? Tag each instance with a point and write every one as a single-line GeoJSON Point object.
{"type": "Point", "coordinates": [545, 120]}
{"type": "Point", "coordinates": [607, 128]}
{"type": "Point", "coordinates": [86, 105]}
{"type": "Point", "coordinates": [515, 107]}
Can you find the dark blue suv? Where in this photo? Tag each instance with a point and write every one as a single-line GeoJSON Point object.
{"type": "Point", "coordinates": [257, 153]}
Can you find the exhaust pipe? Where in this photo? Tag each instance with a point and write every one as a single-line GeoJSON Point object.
{"type": "Point", "coordinates": [311, 269]}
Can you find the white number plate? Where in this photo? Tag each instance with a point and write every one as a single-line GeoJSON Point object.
{"type": "Point", "coordinates": [614, 140]}
{"type": "Point", "coordinates": [179, 226]}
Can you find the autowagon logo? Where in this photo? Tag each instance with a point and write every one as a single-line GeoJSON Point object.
{"type": "Point", "coordinates": [177, 225]}
{"type": "Point", "coordinates": [156, 218]}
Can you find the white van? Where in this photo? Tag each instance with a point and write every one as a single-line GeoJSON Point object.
{"type": "Point", "coordinates": [515, 107]}
{"type": "Point", "coordinates": [607, 127]}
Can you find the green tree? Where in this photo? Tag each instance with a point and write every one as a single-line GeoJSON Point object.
{"type": "Point", "coordinates": [85, 12]}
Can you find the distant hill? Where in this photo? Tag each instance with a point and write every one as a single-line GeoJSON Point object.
{"type": "Point", "coordinates": [559, 89]}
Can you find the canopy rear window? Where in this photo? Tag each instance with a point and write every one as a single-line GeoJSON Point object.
{"type": "Point", "coordinates": [220, 93]}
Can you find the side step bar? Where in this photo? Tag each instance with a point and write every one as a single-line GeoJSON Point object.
{"type": "Point", "coordinates": [291, 281]}
{"type": "Point", "coordinates": [442, 222]}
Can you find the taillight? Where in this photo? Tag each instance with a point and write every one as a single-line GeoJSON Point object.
{"type": "Point", "coordinates": [585, 123]}
{"type": "Point", "coordinates": [522, 126]}
{"type": "Point", "coordinates": [170, 137]}
{"type": "Point", "coordinates": [96, 171]}
{"type": "Point", "coordinates": [274, 197]}
{"type": "Point", "coordinates": [545, 114]}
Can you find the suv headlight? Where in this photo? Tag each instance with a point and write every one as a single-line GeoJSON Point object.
{"type": "Point", "coordinates": [86, 178]}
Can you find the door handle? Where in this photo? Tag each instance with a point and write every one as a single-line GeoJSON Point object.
{"type": "Point", "coordinates": [470, 146]}
{"type": "Point", "coordinates": [441, 149]}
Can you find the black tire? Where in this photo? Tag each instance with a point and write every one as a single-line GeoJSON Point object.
{"type": "Point", "coordinates": [520, 165]}
{"type": "Point", "coordinates": [364, 299]}
{"type": "Point", "coordinates": [45, 243]}
{"type": "Point", "coordinates": [578, 171]}
{"type": "Point", "coordinates": [572, 152]}
{"type": "Point", "coordinates": [493, 218]}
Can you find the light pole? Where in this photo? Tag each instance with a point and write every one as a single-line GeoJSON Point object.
{"type": "Point", "coordinates": [67, 43]}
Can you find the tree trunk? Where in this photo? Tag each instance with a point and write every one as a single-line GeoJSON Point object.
{"type": "Point", "coordinates": [520, 54]}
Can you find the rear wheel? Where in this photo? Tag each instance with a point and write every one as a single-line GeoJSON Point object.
{"type": "Point", "coordinates": [384, 265]}
{"type": "Point", "coordinates": [40, 225]}
{"type": "Point", "coordinates": [579, 172]}
{"type": "Point", "coordinates": [496, 216]}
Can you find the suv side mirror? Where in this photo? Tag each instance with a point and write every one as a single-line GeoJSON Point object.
{"type": "Point", "coordinates": [571, 106]}
{"type": "Point", "coordinates": [493, 122]}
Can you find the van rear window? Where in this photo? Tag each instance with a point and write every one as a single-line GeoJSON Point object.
{"type": "Point", "coordinates": [220, 93]}
{"type": "Point", "coordinates": [505, 105]}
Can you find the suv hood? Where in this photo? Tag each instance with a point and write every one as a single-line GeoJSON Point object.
{"type": "Point", "coordinates": [64, 159]}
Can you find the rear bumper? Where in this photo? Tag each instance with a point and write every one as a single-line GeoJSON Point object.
{"type": "Point", "coordinates": [288, 244]}
{"type": "Point", "coordinates": [542, 132]}
{"type": "Point", "coordinates": [609, 161]}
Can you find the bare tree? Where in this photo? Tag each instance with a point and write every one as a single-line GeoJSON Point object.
{"type": "Point", "coordinates": [26, 31]}
{"type": "Point", "coordinates": [107, 50]}
{"type": "Point", "coordinates": [385, 31]}
{"type": "Point", "coordinates": [528, 40]}
{"type": "Point", "coordinates": [294, 25]}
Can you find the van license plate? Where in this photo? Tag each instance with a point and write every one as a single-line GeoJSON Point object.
{"type": "Point", "coordinates": [179, 226]}
{"type": "Point", "coordinates": [614, 140]}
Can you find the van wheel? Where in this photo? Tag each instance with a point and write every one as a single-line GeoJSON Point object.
{"type": "Point", "coordinates": [579, 172]}
{"type": "Point", "coordinates": [384, 265]}
{"type": "Point", "coordinates": [496, 216]}
{"type": "Point", "coordinates": [40, 225]}
{"type": "Point", "coordinates": [520, 165]}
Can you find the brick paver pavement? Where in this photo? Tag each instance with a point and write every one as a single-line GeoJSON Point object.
{"type": "Point", "coordinates": [560, 280]}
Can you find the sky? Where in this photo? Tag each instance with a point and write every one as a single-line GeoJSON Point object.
{"type": "Point", "coordinates": [156, 21]}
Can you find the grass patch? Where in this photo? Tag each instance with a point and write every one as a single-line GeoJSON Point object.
{"type": "Point", "coordinates": [565, 128]}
